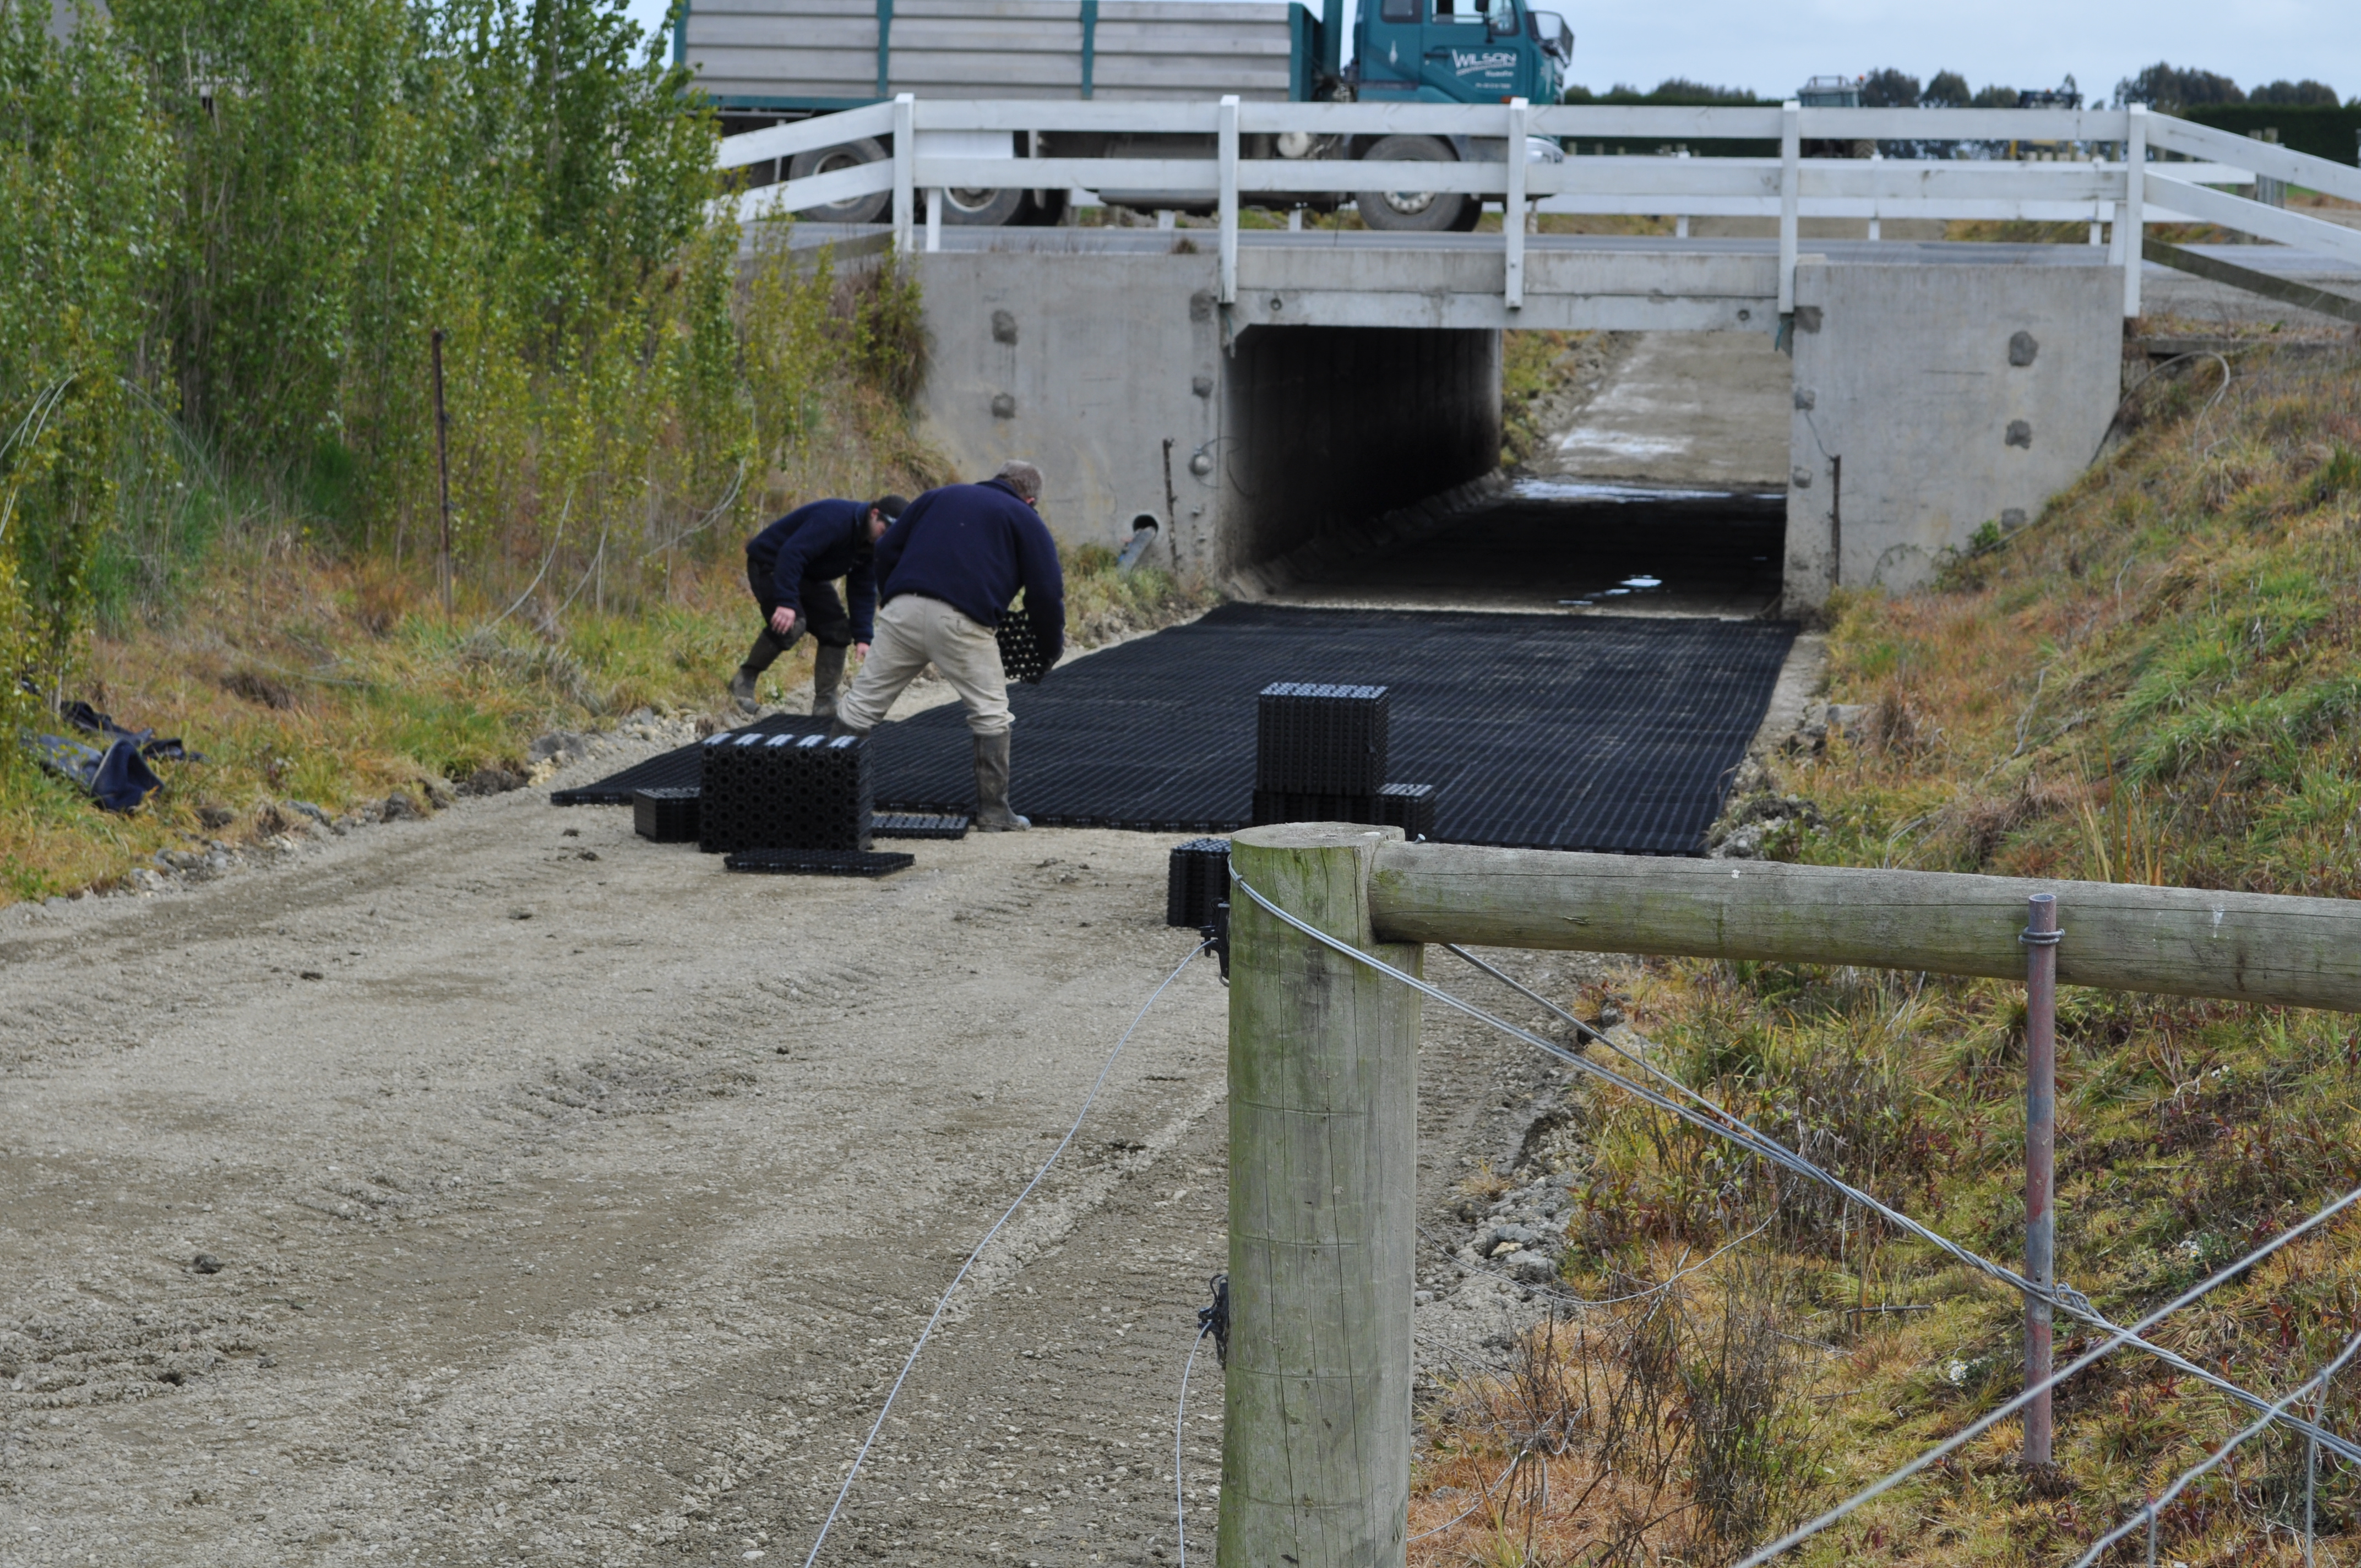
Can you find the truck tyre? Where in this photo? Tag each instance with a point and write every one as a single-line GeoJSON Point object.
{"type": "Point", "coordinates": [1415, 212]}
{"type": "Point", "coordinates": [978, 209]}
{"type": "Point", "coordinates": [866, 209]}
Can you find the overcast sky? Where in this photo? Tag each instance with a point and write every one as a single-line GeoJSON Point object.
{"type": "Point", "coordinates": [2018, 43]}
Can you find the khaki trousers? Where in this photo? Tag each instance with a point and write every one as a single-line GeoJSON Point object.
{"type": "Point", "coordinates": [912, 630]}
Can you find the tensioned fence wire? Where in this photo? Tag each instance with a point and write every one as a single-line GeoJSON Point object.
{"type": "Point", "coordinates": [1721, 1122]}
{"type": "Point", "coordinates": [944, 1301]}
{"type": "Point", "coordinates": [2148, 1510]}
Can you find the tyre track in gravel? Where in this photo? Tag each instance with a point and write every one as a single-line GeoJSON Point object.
{"type": "Point", "coordinates": [582, 1208]}
{"type": "Point", "coordinates": [525, 1220]}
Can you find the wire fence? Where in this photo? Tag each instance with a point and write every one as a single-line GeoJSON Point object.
{"type": "Point", "coordinates": [1700, 1112]}
{"type": "Point", "coordinates": [944, 1301]}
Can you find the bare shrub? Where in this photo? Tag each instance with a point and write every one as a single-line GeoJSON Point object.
{"type": "Point", "coordinates": [1665, 1424]}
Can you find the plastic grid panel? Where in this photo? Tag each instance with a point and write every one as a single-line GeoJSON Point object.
{"type": "Point", "coordinates": [1196, 878]}
{"type": "Point", "coordinates": [1317, 738]}
{"type": "Point", "coordinates": [820, 863]}
{"type": "Point", "coordinates": [786, 792]}
{"type": "Point", "coordinates": [1308, 805]}
{"type": "Point", "coordinates": [1536, 731]}
{"type": "Point", "coordinates": [665, 816]}
{"type": "Point", "coordinates": [916, 825]}
{"type": "Point", "coordinates": [680, 768]}
{"type": "Point", "coordinates": [1409, 807]}
{"type": "Point", "coordinates": [1020, 641]}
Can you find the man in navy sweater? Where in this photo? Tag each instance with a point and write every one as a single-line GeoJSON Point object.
{"type": "Point", "coordinates": [790, 566]}
{"type": "Point", "coordinates": [948, 570]}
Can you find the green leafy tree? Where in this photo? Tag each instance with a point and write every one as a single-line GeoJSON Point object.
{"type": "Point", "coordinates": [1889, 89]}
{"type": "Point", "coordinates": [1946, 90]}
{"type": "Point", "coordinates": [81, 184]}
{"type": "Point", "coordinates": [2168, 87]}
{"type": "Point", "coordinates": [2305, 95]}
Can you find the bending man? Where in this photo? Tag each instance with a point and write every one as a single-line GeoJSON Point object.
{"type": "Point", "coordinates": [790, 566]}
{"type": "Point", "coordinates": [948, 572]}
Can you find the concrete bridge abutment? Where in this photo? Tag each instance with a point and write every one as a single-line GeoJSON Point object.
{"type": "Point", "coordinates": [1931, 398]}
{"type": "Point", "coordinates": [1933, 391]}
{"type": "Point", "coordinates": [1089, 365]}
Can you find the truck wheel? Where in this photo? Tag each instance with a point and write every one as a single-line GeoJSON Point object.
{"type": "Point", "coordinates": [866, 209]}
{"type": "Point", "coordinates": [978, 209]}
{"type": "Point", "coordinates": [1415, 212]}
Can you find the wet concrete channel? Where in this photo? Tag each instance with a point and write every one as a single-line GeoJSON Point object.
{"type": "Point", "coordinates": [1582, 547]}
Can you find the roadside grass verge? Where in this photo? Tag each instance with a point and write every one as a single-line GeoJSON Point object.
{"type": "Point", "coordinates": [2158, 681]}
{"type": "Point", "coordinates": [301, 677]}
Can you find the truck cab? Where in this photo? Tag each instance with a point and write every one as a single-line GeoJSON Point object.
{"type": "Point", "coordinates": [1459, 52]}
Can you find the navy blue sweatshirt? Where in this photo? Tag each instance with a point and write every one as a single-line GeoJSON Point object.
{"type": "Point", "coordinates": [820, 543]}
{"type": "Point", "coordinates": [973, 547]}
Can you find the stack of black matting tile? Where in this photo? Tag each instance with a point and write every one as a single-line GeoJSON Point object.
{"type": "Point", "coordinates": [665, 816]}
{"type": "Point", "coordinates": [1196, 878]}
{"type": "Point", "coordinates": [786, 792]}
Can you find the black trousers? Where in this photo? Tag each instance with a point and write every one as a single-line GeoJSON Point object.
{"type": "Point", "coordinates": [822, 613]}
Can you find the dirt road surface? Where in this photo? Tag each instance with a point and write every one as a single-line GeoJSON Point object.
{"type": "Point", "coordinates": [563, 1199]}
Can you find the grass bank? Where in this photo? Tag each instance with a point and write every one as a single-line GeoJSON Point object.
{"type": "Point", "coordinates": [2158, 681]}
{"type": "Point", "coordinates": [302, 678]}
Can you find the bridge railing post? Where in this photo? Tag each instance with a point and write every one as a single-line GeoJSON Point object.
{"type": "Point", "coordinates": [1512, 205]}
{"type": "Point", "coordinates": [2130, 218]}
{"type": "Point", "coordinates": [1323, 1191]}
{"type": "Point", "coordinates": [905, 162]}
{"type": "Point", "coordinates": [1227, 150]}
{"type": "Point", "coordinates": [1791, 193]}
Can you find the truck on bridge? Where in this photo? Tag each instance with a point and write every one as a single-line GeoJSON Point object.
{"type": "Point", "coordinates": [764, 61]}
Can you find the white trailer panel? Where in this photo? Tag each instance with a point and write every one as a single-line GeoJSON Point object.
{"type": "Point", "coordinates": [824, 54]}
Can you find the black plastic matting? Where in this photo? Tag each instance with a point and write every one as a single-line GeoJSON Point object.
{"type": "Point", "coordinates": [918, 825]}
{"type": "Point", "coordinates": [786, 792]}
{"type": "Point", "coordinates": [1314, 739]}
{"type": "Point", "coordinates": [665, 816]}
{"type": "Point", "coordinates": [1548, 731]}
{"type": "Point", "coordinates": [820, 863]}
{"type": "Point", "coordinates": [1196, 878]}
{"type": "Point", "coordinates": [681, 768]}
{"type": "Point", "coordinates": [1409, 807]}
{"type": "Point", "coordinates": [1022, 653]}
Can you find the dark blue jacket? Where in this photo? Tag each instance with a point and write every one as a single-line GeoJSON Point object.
{"type": "Point", "coordinates": [973, 547]}
{"type": "Point", "coordinates": [820, 543]}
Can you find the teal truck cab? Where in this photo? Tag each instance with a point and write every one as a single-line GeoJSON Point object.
{"type": "Point", "coordinates": [1458, 51]}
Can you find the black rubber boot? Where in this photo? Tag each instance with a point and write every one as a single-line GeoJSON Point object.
{"type": "Point", "coordinates": [827, 672]}
{"type": "Point", "coordinates": [762, 657]}
{"type": "Point", "coordinates": [991, 813]}
{"type": "Point", "coordinates": [839, 727]}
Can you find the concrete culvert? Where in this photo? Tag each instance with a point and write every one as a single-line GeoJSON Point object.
{"type": "Point", "coordinates": [1144, 529]}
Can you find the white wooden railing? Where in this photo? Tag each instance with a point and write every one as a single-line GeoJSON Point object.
{"type": "Point", "coordinates": [2081, 186]}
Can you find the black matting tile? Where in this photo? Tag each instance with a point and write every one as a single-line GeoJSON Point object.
{"type": "Point", "coordinates": [1547, 731]}
{"type": "Point", "coordinates": [681, 768]}
{"type": "Point", "coordinates": [819, 862]}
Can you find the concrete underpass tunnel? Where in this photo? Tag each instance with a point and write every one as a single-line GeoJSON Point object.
{"type": "Point", "coordinates": [1332, 437]}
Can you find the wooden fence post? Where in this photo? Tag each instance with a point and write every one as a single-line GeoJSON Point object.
{"type": "Point", "coordinates": [1324, 1186]}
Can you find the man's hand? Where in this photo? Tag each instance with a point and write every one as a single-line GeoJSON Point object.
{"type": "Point", "coordinates": [861, 650]}
{"type": "Point", "coordinates": [783, 620]}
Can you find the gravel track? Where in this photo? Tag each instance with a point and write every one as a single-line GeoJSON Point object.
{"type": "Point", "coordinates": [574, 1202]}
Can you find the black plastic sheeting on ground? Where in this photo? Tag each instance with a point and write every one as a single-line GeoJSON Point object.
{"type": "Point", "coordinates": [1543, 732]}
